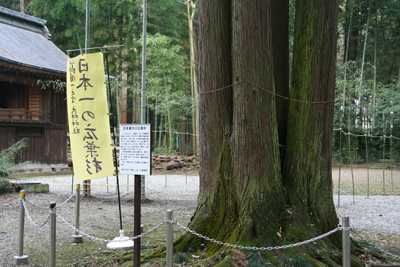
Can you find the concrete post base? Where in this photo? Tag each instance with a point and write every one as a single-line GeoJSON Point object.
{"type": "Point", "coordinates": [77, 239]}
{"type": "Point", "coordinates": [120, 242]}
{"type": "Point", "coordinates": [21, 260]}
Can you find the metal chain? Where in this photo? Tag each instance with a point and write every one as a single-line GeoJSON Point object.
{"type": "Point", "coordinates": [339, 228]}
{"type": "Point", "coordinates": [263, 248]}
{"type": "Point", "coordinates": [148, 232]}
{"type": "Point", "coordinates": [36, 206]}
{"type": "Point", "coordinates": [44, 208]}
{"type": "Point", "coordinates": [29, 217]}
{"type": "Point", "coordinates": [68, 199]}
{"type": "Point", "coordinates": [373, 245]}
{"type": "Point", "coordinates": [171, 197]}
{"type": "Point", "coordinates": [106, 240]}
{"type": "Point", "coordinates": [341, 190]}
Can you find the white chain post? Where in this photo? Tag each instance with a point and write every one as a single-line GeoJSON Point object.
{"type": "Point", "coordinates": [77, 238]}
{"type": "Point", "coordinates": [346, 241]}
{"type": "Point", "coordinates": [170, 239]}
{"type": "Point", "coordinates": [21, 259]}
{"type": "Point", "coordinates": [52, 257]}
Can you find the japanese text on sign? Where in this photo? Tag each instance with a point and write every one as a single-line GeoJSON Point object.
{"type": "Point", "coordinates": [134, 149]}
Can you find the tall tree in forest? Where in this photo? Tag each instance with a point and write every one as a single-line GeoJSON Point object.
{"type": "Point", "coordinates": [246, 197]}
{"type": "Point", "coordinates": [17, 5]}
{"type": "Point", "coordinates": [168, 81]}
{"type": "Point", "coordinates": [66, 20]}
{"type": "Point", "coordinates": [307, 162]}
{"type": "Point", "coordinates": [115, 22]}
{"type": "Point", "coordinates": [191, 7]}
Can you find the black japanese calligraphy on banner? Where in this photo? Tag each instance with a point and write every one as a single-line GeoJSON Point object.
{"type": "Point", "coordinates": [89, 126]}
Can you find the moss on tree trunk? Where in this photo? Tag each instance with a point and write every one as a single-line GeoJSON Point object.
{"type": "Point", "coordinates": [246, 198]}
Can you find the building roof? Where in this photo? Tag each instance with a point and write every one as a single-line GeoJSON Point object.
{"type": "Point", "coordinates": [25, 41]}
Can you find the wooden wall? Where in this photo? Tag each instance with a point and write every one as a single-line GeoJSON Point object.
{"type": "Point", "coordinates": [47, 143]}
{"type": "Point", "coordinates": [49, 148]}
{"type": "Point", "coordinates": [55, 150]}
{"type": "Point", "coordinates": [7, 137]}
{"type": "Point", "coordinates": [56, 104]}
{"type": "Point", "coordinates": [35, 100]}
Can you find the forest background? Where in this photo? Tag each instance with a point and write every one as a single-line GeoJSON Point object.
{"type": "Point", "coordinates": [367, 102]}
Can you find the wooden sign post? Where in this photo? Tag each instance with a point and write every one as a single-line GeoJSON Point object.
{"type": "Point", "coordinates": [135, 158]}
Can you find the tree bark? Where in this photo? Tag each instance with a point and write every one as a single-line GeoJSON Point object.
{"type": "Point", "coordinates": [307, 164]}
{"type": "Point", "coordinates": [193, 72]}
{"type": "Point", "coordinates": [245, 197]}
{"type": "Point", "coordinates": [240, 184]}
{"type": "Point", "coordinates": [351, 49]}
{"type": "Point", "coordinates": [22, 6]}
{"type": "Point", "coordinates": [182, 124]}
{"type": "Point", "coordinates": [354, 33]}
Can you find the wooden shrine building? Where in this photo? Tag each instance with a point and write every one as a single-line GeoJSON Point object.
{"type": "Point", "coordinates": [27, 111]}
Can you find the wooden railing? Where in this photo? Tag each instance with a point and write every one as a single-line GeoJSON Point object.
{"type": "Point", "coordinates": [21, 114]}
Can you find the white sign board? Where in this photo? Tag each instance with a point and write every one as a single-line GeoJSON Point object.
{"type": "Point", "coordinates": [134, 149]}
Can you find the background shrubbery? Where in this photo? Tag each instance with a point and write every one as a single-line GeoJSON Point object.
{"type": "Point", "coordinates": [7, 161]}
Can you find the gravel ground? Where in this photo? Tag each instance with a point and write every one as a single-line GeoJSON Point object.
{"type": "Point", "coordinates": [377, 213]}
{"type": "Point", "coordinates": [100, 217]}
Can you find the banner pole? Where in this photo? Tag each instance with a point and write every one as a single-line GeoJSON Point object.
{"type": "Point", "coordinates": [115, 143]}
{"type": "Point", "coordinates": [143, 91]}
{"type": "Point", "coordinates": [86, 187]}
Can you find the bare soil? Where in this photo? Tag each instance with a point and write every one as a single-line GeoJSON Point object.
{"type": "Point", "coordinates": [372, 181]}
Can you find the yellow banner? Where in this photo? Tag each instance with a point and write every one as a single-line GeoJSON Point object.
{"type": "Point", "coordinates": [89, 125]}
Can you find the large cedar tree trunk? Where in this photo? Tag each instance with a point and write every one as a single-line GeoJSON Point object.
{"type": "Point", "coordinates": [245, 196]}
{"type": "Point", "coordinates": [307, 172]}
